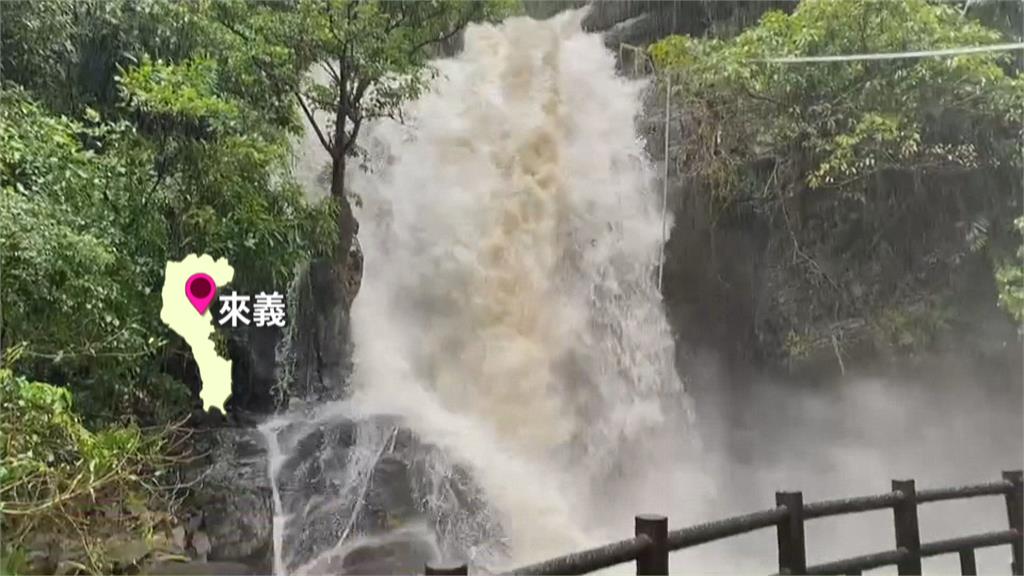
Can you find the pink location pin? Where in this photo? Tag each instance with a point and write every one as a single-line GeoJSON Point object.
{"type": "Point", "coordinates": [200, 289]}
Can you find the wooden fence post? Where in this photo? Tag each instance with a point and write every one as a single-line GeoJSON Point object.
{"type": "Point", "coordinates": [446, 569]}
{"type": "Point", "coordinates": [792, 550]}
{"type": "Point", "coordinates": [968, 567]}
{"type": "Point", "coordinates": [907, 534]}
{"type": "Point", "coordinates": [1015, 514]}
{"type": "Point", "coordinates": [654, 560]}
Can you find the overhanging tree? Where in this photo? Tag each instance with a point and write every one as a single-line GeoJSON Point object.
{"type": "Point", "coordinates": [374, 55]}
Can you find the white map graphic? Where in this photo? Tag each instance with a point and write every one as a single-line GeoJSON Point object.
{"type": "Point", "coordinates": [179, 314]}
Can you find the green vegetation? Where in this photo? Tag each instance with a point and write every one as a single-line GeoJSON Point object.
{"type": "Point", "coordinates": [1010, 278]}
{"type": "Point", "coordinates": [879, 180]}
{"type": "Point", "coordinates": [133, 132]}
{"type": "Point", "coordinates": [78, 500]}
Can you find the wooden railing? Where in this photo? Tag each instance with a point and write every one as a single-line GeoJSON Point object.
{"type": "Point", "coordinates": [653, 541]}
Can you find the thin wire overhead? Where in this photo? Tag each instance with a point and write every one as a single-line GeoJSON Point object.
{"type": "Point", "coordinates": [897, 55]}
{"type": "Point", "coordinates": [812, 59]}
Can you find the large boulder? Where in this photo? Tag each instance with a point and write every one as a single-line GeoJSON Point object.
{"type": "Point", "coordinates": [359, 496]}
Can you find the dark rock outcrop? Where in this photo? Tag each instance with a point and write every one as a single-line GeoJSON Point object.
{"type": "Point", "coordinates": [371, 490]}
{"type": "Point", "coordinates": [322, 349]}
{"type": "Point", "coordinates": [253, 369]}
{"type": "Point", "coordinates": [232, 510]}
{"type": "Point", "coordinates": [640, 22]}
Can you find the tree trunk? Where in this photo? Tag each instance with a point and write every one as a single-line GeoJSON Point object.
{"type": "Point", "coordinates": [346, 228]}
{"type": "Point", "coordinates": [332, 283]}
{"type": "Point", "coordinates": [323, 345]}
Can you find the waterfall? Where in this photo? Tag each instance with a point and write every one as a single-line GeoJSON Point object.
{"type": "Point", "coordinates": [509, 312]}
{"type": "Point", "coordinates": [509, 320]}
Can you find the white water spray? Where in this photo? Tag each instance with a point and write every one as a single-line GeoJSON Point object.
{"type": "Point", "coordinates": [275, 459]}
{"type": "Point", "coordinates": [509, 313]}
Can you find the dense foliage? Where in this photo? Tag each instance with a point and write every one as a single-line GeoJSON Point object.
{"type": "Point", "coordinates": [81, 501]}
{"type": "Point", "coordinates": [882, 180]}
{"type": "Point", "coordinates": [1010, 277]}
{"type": "Point", "coordinates": [133, 132]}
{"type": "Point", "coordinates": [79, 276]}
{"type": "Point", "coordinates": [91, 230]}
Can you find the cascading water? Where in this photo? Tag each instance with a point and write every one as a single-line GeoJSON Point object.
{"type": "Point", "coordinates": [508, 314]}
{"type": "Point", "coordinates": [508, 318]}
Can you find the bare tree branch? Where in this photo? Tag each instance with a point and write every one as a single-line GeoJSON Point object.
{"type": "Point", "coordinates": [351, 142]}
{"type": "Point", "coordinates": [330, 70]}
{"type": "Point", "coordinates": [445, 37]}
{"type": "Point", "coordinates": [275, 81]}
{"type": "Point", "coordinates": [397, 23]}
{"type": "Point", "coordinates": [312, 122]}
{"type": "Point", "coordinates": [352, 106]}
{"type": "Point", "coordinates": [440, 40]}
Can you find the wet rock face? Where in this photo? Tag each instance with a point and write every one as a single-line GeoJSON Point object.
{"type": "Point", "coordinates": [403, 554]}
{"type": "Point", "coordinates": [338, 481]}
{"type": "Point", "coordinates": [233, 496]}
{"type": "Point", "coordinates": [368, 497]}
{"type": "Point", "coordinates": [253, 369]}
{"type": "Point", "coordinates": [402, 551]}
{"type": "Point", "coordinates": [322, 348]}
{"type": "Point", "coordinates": [231, 501]}
{"type": "Point", "coordinates": [389, 496]}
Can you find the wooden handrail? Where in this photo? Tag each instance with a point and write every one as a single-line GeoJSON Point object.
{"type": "Point", "coordinates": [889, 557]}
{"type": "Point", "coordinates": [970, 491]}
{"type": "Point", "coordinates": [711, 531]}
{"type": "Point", "coordinates": [903, 500]}
{"type": "Point", "coordinates": [447, 570]}
{"type": "Point", "coordinates": [857, 564]}
{"type": "Point", "coordinates": [851, 505]}
{"type": "Point", "coordinates": [589, 560]}
{"type": "Point", "coordinates": [972, 542]}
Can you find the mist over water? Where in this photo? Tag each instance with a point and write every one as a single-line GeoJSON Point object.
{"type": "Point", "coordinates": [509, 317]}
{"type": "Point", "coordinates": [951, 421]}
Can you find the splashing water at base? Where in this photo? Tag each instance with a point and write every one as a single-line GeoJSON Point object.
{"type": "Point", "coordinates": [508, 313]}
{"type": "Point", "coordinates": [275, 459]}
